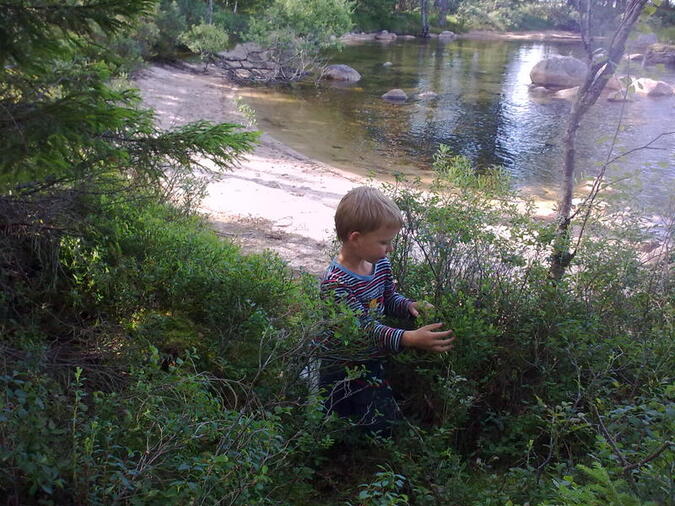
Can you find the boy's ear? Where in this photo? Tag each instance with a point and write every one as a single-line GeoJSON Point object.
{"type": "Point", "coordinates": [353, 235]}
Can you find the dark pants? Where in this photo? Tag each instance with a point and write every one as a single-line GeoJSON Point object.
{"type": "Point", "coordinates": [366, 401]}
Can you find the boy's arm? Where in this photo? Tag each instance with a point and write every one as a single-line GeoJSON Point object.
{"type": "Point", "coordinates": [381, 339]}
{"type": "Point", "coordinates": [395, 304]}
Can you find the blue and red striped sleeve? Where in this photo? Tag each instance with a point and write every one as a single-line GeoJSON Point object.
{"type": "Point", "coordinates": [395, 304]}
{"type": "Point", "coordinates": [368, 297]}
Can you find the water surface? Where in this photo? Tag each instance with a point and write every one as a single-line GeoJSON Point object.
{"type": "Point", "coordinates": [482, 109]}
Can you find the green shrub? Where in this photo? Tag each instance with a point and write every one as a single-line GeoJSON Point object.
{"type": "Point", "coordinates": [205, 40]}
{"type": "Point", "coordinates": [171, 23]}
{"type": "Point", "coordinates": [232, 23]}
{"type": "Point", "coordinates": [165, 438]}
{"type": "Point", "coordinates": [140, 263]}
{"type": "Point", "coordinates": [294, 31]}
{"type": "Point", "coordinates": [504, 16]}
{"type": "Point", "coordinates": [537, 366]}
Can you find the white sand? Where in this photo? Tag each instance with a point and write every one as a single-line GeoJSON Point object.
{"type": "Point", "coordinates": [278, 199]}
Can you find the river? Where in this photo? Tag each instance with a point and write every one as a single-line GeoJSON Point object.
{"type": "Point", "coordinates": [482, 109]}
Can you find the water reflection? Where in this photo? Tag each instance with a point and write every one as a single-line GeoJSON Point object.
{"type": "Point", "coordinates": [482, 109]}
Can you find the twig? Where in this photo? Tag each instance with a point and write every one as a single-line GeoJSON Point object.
{"type": "Point", "coordinates": [626, 466]}
{"type": "Point", "coordinates": [651, 457]}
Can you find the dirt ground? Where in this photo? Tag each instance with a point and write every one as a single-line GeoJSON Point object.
{"type": "Point", "coordinates": [277, 199]}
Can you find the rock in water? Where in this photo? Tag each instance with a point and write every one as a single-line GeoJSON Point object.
{"type": "Point", "coordinates": [562, 71]}
{"type": "Point", "coordinates": [446, 35]}
{"type": "Point", "coordinates": [385, 35]}
{"type": "Point", "coordinates": [395, 95]}
{"type": "Point", "coordinates": [652, 88]}
{"type": "Point", "coordinates": [614, 83]}
{"type": "Point", "coordinates": [661, 53]}
{"type": "Point", "coordinates": [341, 73]}
{"type": "Point", "coordinates": [539, 91]}
{"type": "Point", "coordinates": [567, 93]}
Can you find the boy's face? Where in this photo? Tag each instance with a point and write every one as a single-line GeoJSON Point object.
{"type": "Point", "coordinates": [375, 245]}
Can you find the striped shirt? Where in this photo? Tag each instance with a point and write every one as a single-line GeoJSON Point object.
{"type": "Point", "coordinates": [369, 297]}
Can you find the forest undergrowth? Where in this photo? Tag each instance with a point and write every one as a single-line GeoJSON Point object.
{"type": "Point", "coordinates": [146, 361]}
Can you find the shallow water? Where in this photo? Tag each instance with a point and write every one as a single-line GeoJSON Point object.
{"type": "Point", "coordinates": [483, 110]}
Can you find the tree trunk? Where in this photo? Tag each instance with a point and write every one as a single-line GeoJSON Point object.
{"type": "Point", "coordinates": [210, 13]}
{"type": "Point", "coordinates": [443, 6]}
{"type": "Point", "coordinates": [424, 10]}
{"type": "Point", "coordinates": [598, 75]}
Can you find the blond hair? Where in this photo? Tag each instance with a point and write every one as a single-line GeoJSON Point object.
{"type": "Point", "coordinates": [364, 210]}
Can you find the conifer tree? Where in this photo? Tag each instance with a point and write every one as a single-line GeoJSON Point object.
{"type": "Point", "coordinates": [68, 137]}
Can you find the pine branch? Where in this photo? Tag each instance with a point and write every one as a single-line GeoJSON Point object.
{"type": "Point", "coordinates": [39, 28]}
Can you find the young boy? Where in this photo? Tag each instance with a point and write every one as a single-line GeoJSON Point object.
{"type": "Point", "coordinates": [366, 222]}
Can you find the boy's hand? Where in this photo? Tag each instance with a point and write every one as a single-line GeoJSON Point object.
{"type": "Point", "coordinates": [424, 338]}
{"type": "Point", "coordinates": [419, 305]}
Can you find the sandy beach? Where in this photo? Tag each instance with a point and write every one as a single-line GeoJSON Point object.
{"type": "Point", "coordinates": [277, 199]}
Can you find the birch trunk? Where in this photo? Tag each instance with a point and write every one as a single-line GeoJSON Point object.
{"type": "Point", "coordinates": [601, 69]}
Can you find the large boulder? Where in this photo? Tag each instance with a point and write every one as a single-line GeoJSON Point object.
{"type": "Point", "coordinates": [614, 83]}
{"type": "Point", "coordinates": [446, 35]}
{"type": "Point", "coordinates": [396, 95]}
{"type": "Point", "coordinates": [559, 71]}
{"type": "Point", "coordinates": [244, 51]}
{"type": "Point", "coordinates": [661, 53]}
{"type": "Point", "coordinates": [652, 88]}
{"type": "Point", "coordinates": [567, 93]}
{"type": "Point", "coordinates": [385, 35]}
{"type": "Point", "coordinates": [539, 91]}
{"type": "Point", "coordinates": [341, 72]}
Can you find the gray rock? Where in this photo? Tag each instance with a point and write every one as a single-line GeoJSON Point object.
{"type": "Point", "coordinates": [447, 34]}
{"type": "Point", "coordinates": [560, 71]}
{"type": "Point", "coordinates": [341, 72]}
{"type": "Point", "coordinates": [385, 35]}
{"type": "Point", "coordinates": [427, 94]}
{"type": "Point", "coordinates": [661, 53]}
{"type": "Point", "coordinates": [241, 52]}
{"type": "Point", "coordinates": [539, 91]}
{"type": "Point", "coordinates": [395, 95]}
{"type": "Point", "coordinates": [634, 56]}
{"type": "Point", "coordinates": [566, 94]}
{"type": "Point", "coordinates": [652, 88]}
{"type": "Point", "coordinates": [387, 64]}
{"type": "Point", "coordinates": [614, 83]}
{"type": "Point", "coordinates": [243, 74]}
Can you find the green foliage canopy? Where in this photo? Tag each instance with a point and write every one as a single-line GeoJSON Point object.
{"type": "Point", "coordinates": [205, 40]}
{"type": "Point", "coordinates": [33, 29]}
{"type": "Point", "coordinates": [315, 22]}
{"type": "Point", "coordinates": [63, 123]}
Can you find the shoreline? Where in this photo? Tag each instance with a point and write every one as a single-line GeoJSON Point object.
{"type": "Point", "coordinates": [276, 198]}
{"type": "Point", "coordinates": [540, 35]}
